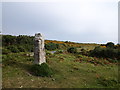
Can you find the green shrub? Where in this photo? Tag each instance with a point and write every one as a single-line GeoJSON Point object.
{"type": "Point", "coordinates": [80, 56]}
{"type": "Point", "coordinates": [107, 81]}
{"type": "Point", "coordinates": [48, 53]}
{"type": "Point", "coordinates": [51, 46]}
{"type": "Point", "coordinates": [72, 50]}
{"type": "Point", "coordinates": [105, 52]}
{"type": "Point", "coordinates": [8, 59]}
{"type": "Point", "coordinates": [21, 49]}
{"type": "Point", "coordinates": [118, 55]}
{"type": "Point", "coordinates": [28, 47]}
{"type": "Point", "coordinates": [84, 52]}
{"type": "Point", "coordinates": [112, 60]}
{"type": "Point", "coordinates": [59, 51]}
{"type": "Point", "coordinates": [110, 45]}
{"type": "Point", "coordinates": [42, 70]}
{"type": "Point", "coordinates": [13, 49]}
{"type": "Point", "coordinates": [5, 51]}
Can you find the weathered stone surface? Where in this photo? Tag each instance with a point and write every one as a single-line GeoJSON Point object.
{"type": "Point", "coordinates": [39, 50]}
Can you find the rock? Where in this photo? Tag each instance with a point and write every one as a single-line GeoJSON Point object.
{"type": "Point", "coordinates": [53, 79]}
{"type": "Point", "coordinates": [31, 54]}
{"type": "Point", "coordinates": [21, 86]}
{"type": "Point", "coordinates": [39, 50]}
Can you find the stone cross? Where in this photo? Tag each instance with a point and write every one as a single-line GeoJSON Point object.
{"type": "Point", "coordinates": [39, 50]}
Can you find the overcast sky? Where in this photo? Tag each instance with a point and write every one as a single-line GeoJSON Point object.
{"type": "Point", "coordinates": [84, 21]}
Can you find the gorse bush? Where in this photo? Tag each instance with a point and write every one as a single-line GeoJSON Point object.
{"type": "Point", "coordinates": [72, 50]}
{"type": "Point", "coordinates": [5, 51]}
{"type": "Point", "coordinates": [110, 45]}
{"type": "Point", "coordinates": [84, 52]}
{"type": "Point", "coordinates": [105, 52]}
{"type": "Point", "coordinates": [21, 49]}
{"type": "Point", "coordinates": [19, 43]}
{"type": "Point", "coordinates": [42, 70]}
{"type": "Point", "coordinates": [51, 46]}
{"type": "Point", "coordinates": [17, 40]}
{"type": "Point", "coordinates": [13, 49]}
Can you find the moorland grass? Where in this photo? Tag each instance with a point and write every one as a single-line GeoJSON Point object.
{"type": "Point", "coordinates": [69, 72]}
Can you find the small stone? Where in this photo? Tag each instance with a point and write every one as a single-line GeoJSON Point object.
{"type": "Point", "coordinates": [27, 54]}
{"type": "Point", "coordinates": [53, 79]}
{"type": "Point", "coordinates": [21, 86]}
{"type": "Point", "coordinates": [32, 80]}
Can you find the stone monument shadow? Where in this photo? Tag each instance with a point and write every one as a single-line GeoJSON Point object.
{"type": "Point", "coordinates": [25, 67]}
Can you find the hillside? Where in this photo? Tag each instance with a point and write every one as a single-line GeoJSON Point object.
{"type": "Point", "coordinates": [74, 65]}
{"type": "Point", "coordinates": [70, 71]}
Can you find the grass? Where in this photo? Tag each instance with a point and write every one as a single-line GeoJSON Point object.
{"type": "Point", "coordinates": [68, 73]}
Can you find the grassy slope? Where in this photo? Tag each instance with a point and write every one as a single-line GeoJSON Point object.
{"type": "Point", "coordinates": [68, 73]}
